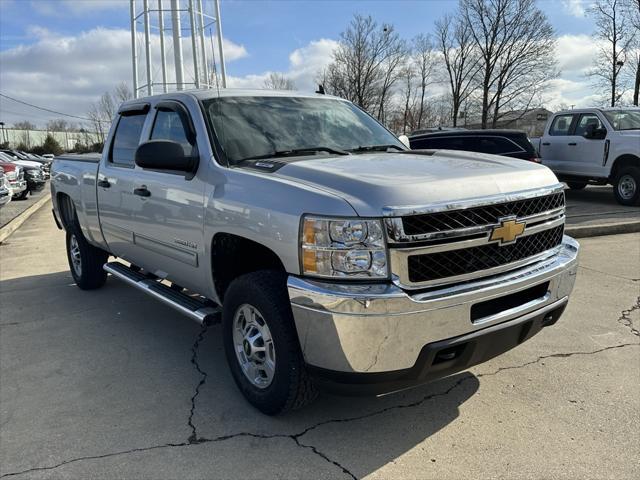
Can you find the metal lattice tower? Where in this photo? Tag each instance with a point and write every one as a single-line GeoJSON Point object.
{"type": "Point", "coordinates": [201, 70]}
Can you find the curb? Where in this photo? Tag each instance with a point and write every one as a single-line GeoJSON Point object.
{"type": "Point", "coordinates": [14, 224]}
{"type": "Point", "coordinates": [615, 228]}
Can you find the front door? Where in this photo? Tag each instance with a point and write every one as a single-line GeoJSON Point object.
{"type": "Point", "coordinates": [168, 215]}
{"type": "Point", "coordinates": [587, 154]}
{"type": "Point", "coordinates": [554, 149]}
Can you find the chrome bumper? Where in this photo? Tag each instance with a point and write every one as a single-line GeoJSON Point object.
{"type": "Point", "coordinates": [382, 328]}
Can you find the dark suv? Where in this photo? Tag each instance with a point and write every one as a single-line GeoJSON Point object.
{"type": "Point", "coordinates": [509, 143]}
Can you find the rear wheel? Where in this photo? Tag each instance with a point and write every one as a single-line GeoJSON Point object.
{"type": "Point", "coordinates": [261, 343]}
{"type": "Point", "coordinates": [627, 186]}
{"type": "Point", "coordinates": [577, 185]}
{"type": "Point", "coordinates": [23, 195]}
{"type": "Point", "coordinates": [85, 260]}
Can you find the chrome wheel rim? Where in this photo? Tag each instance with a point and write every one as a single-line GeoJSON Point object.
{"type": "Point", "coordinates": [74, 250]}
{"type": "Point", "coordinates": [254, 346]}
{"type": "Point", "coordinates": [627, 187]}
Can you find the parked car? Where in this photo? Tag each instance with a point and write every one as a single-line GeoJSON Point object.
{"type": "Point", "coordinates": [15, 177]}
{"type": "Point", "coordinates": [16, 157]}
{"type": "Point", "coordinates": [596, 146]}
{"type": "Point", "coordinates": [5, 190]}
{"type": "Point", "coordinates": [508, 143]}
{"type": "Point", "coordinates": [49, 156]}
{"type": "Point", "coordinates": [45, 162]}
{"type": "Point", "coordinates": [333, 256]}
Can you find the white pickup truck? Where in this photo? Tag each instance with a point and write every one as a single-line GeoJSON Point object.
{"type": "Point", "coordinates": [333, 256]}
{"type": "Point", "coordinates": [595, 146]}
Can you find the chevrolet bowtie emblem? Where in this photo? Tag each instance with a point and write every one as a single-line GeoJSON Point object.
{"type": "Point", "coordinates": [508, 231]}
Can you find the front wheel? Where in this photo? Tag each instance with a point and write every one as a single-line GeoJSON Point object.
{"type": "Point", "coordinates": [261, 343]}
{"type": "Point", "coordinates": [85, 260]}
{"type": "Point", "coordinates": [627, 186]}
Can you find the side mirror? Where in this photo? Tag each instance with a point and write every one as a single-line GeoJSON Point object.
{"type": "Point", "coordinates": [592, 132]}
{"type": "Point", "coordinates": [405, 140]}
{"type": "Point", "coordinates": [164, 155]}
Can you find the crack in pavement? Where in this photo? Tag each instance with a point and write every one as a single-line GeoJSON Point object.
{"type": "Point", "coordinates": [296, 436]}
{"type": "Point", "coordinates": [609, 274]}
{"type": "Point", "coordinates": [193, 438]}
{"type": "Point", "coordinates": [625, 318]}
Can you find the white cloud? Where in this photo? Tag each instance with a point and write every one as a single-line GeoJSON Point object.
{"type": "Point", "coordinates": [304, 65]}
{"type": "Point", "coordinates": [576, 8]}
{"type": "Point", "coordinates": [68, 73]}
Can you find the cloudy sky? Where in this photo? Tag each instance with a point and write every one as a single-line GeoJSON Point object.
{"type": "Point", "coordinates": [62, 54]}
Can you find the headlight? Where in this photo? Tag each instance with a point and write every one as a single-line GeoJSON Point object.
{"type": "Point", "coordinates": [353, 248]}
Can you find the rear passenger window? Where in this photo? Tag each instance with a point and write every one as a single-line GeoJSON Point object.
{"type": "Point", "coordinates": [126, 139]}
{"type": "Point", "coordinates": [496, 145]}
{"type": "Point", "coordinates": [168, 126]}
{"type": "Point", "coordinates": [561, 125]}
{"type": "Point", "coordinates": [451, 143]}
{"type": "Point", "coordinates": [587, 119]}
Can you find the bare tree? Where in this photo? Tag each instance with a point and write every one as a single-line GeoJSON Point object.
{"type": "Point", "coordinates": [57, 125]}
{"type": "Point", "coordinates": [277, 81]}
{"type": "Point", "coordinates": [633, 9]}
{"type": "Point", "coordinates": [613, 30]}
{"type": "Point", "coordinates": [516, 45]}
{"type": "Point", "coordinates": [461, 61]}
{"type": "Point", "coordinates": [408, 76]}
{"type": "Point", "coordinates": [24, 125]}
{"type": "Point", "coordinates": [102, 112]}
{"type": "Point", "coordinates": [366, 64]}
{"type": "Point", "coordinates": [425, 65]}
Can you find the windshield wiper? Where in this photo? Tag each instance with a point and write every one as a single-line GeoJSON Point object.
{"type": "Point", "coordinates": [376, 148]}
{"type": "Point", "coordinates": [297, 151]}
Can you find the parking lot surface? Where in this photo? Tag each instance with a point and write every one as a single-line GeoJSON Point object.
{"type": "Point", "coordinates": [596, 205]}
{"type": "Point", "coordinates": [112, 384]}
{"type": "Point", "coordinates": [16, 207]}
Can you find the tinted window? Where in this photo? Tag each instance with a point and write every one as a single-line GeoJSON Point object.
{"type": "Point", "coordinates": [496, 145]}
{"type": "Point", "coordinates": [126, 139]}
{"type": "Point", "coordinates": [587, 119]}
{"type": "Point", "coordinates": [168, 126]}
{"type": "Point", "coordinates": [450, 143]}
{"type": "Point", "coordinates": [561, 125]}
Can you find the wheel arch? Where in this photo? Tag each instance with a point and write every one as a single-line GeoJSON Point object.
{"type": "Point", "coordinates": [234, 255]}
{"type": "Point", "coordinates": [625, 160]}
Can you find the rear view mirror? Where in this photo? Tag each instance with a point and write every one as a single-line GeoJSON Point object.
{"type": "Point", "coordinates": [164, 155]}
{"type": "Point", "coordinates": [592, 132]}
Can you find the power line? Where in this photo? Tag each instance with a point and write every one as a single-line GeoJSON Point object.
{"type": "Point", "coordinates": [49, 110]}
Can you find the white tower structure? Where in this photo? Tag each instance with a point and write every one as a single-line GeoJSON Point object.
{"type": "Point", "coordinates": [191, 20]}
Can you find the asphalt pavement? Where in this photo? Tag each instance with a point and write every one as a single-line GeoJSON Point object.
{"type": "Point", "coordinates": [15, 207]}
{"type": "Point", "coordinates": [104, 384]}
{"type": "Point", "coordinates": [596, 205]}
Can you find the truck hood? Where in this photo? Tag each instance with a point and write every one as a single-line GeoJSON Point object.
{"type": "Point", "coordinates": [371, 182]}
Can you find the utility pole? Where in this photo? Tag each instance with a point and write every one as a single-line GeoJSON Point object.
{"type": "Point", "coordinates": [134, 52]}
{"type": "Point", "coordinates": [203, 51]}
{"type": "Point", "coordinates": [147, 46]}
{"type": "Point", "coordinates": [223, 70]}
{"type": "Point", "coordinates": [162, 55]}
{"type": "Point", "coordinates": [177, 42]}
{"type": "Point", "coordinates": [194, 44]}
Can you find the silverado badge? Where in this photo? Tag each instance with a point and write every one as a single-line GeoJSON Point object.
{"type": "Point", "coordinates": [508, 230]}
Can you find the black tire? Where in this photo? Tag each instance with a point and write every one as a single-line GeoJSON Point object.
{"type": "Point", "coordinates": [90, 274]}
{"type": "Point", "coordinates": [23, 195]}
{"type": "Point", "coordinates": [290, 387]}
{"type": "Point", "coordinates": [577, 185]}
{"type": "Point", "coordinates": [626, 187]}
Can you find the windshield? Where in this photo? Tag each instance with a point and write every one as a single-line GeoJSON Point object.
{"type": "Point", "coordinates": [623, 119]}
{"type": "Point", "coordinates": [249, 127]}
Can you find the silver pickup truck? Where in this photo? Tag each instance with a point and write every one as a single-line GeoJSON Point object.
{"type": "Point", "coordinates": [334, 257]}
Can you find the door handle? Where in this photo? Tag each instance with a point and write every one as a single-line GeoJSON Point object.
{"type": "Point", "coordinates": [142, 191]}
{"type": "Point", "coordinates": [546, 144]}
{"type": "Point", "coordinates": [572, 144]}
{"type": "Point", "coordinates": [104, 183]}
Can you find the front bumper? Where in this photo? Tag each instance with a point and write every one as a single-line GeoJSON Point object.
{"type": "Point", "coordinates": [35, 184]}
{"type": "Point", "coordinates": [346, 330]}
{"type": "Point", "coordinates": [17, 187]}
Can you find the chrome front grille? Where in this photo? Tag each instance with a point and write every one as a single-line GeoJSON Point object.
{"type": "Point", "coordinates": [453, 263]}
{"type": "Point", "coordinates": [445, 244]}
{"type": "Point", "coordinates": [476, 216]}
